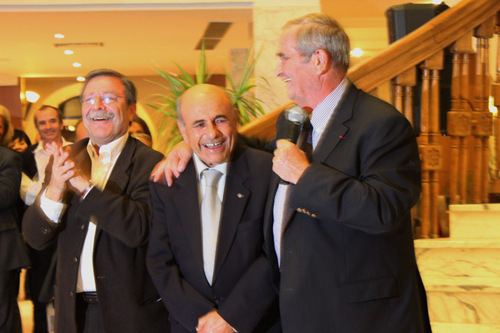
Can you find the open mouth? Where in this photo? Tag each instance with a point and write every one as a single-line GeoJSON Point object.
{"type": "Point", "coordinates": [212, 145]}
{"type": "Point", "coordinates": [287, 80]}
{"type": "Point", "coordinates": [101, 116]}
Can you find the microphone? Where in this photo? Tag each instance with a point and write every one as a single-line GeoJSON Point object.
{"type": "Point", "coordinates": [296, 118]}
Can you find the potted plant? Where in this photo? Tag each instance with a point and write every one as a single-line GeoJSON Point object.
{"type": "Point", "coordinates": [240, 93]}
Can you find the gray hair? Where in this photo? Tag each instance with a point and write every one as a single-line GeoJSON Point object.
{"type": "Point", "coordinates": [320, 31]}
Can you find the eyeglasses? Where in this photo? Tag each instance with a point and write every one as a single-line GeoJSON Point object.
{"type": "Point", "coordinates": [107, 98]}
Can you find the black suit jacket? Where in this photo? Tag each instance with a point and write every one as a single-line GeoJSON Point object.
{"type": "Point", "coordinates": [29, 163]}
{"type": "Point", "coordinates": [128, 299]}
{"type": "Point", "coordinates": [13, 253]}
{"type": "Point", "coordinates": [242, 290]}
{"type": "Point", "coordinates": [348, 262]}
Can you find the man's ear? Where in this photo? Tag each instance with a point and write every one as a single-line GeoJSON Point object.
{"type": "Point", "coordinates": [132, 110]}
{"type": "Point", "coordinates": [321, 61]}
{"type": "Point", "coordinates": [182, 129]}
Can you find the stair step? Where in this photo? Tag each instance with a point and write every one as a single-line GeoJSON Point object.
{"type": "Point", "coordinates": [463, 299]}
{"type": "Point", "coordinates": [475, 221]}
{"type": "Point", "coordinates": [464, 328]}
{"type": "Point", "coordinates": [446, 257]}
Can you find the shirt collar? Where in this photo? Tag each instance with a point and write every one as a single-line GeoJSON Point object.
{"type": "Point", "coordinates": [200, 166]}
{"type": "Point", "coordinates": [114, 148]}
{"type": "Point", "coordinates": [326, 108]}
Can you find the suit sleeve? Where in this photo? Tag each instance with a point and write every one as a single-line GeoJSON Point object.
{"type": "Point", "coordinates": [251, 298]}
{"type": "Point", "coordinates": [183, 301]}
{"type": "Point", "coordinates": [378, 184]}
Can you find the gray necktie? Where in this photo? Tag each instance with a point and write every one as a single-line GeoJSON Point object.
{"type": "Point", "coordinates": [210, 216]}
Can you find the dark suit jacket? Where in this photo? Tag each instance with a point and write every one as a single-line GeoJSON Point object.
{"type": "Point", "coordinates": [128, 299]}
{"type": "Point", "coordinates": [29, 163]}
{"type": "Point", "coordinates": [242, 290]}
{"type": "Point", "coordinates": [13, 253]}
{"type": "Point", "coordinates": [348, 262]}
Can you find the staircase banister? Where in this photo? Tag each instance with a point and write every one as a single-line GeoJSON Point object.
{"type": "Point", "coordinates": [422, 43]}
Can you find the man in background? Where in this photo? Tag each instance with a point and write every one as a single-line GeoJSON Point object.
{"type": "Point", "coordinates": [13, 255]}
{"type": "Point", "coordinates": [49, 125]}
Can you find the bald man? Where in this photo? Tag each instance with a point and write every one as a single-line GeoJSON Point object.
{"type": "Point", "coordinates": [211, 272]}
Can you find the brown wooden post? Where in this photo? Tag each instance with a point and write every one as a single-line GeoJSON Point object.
{"type": "Point", "coordinates": [459, 119]}
{"type": "Point", "coordinates": [403, 92]}
{"type": "Point", "coordinates": [482, 118]}
{"type": "Point", "coordinates": [430, 150]}
{"type": "Point", "coordinates": [495, 92]}
{"type": "Point", "coordinates": [466, 102]}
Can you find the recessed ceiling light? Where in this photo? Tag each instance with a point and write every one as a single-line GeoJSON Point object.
{"type": "Point", "coordinates": [59, 36]}
{"type": "Point", "coordinates": [77, 64]}
{"type": "Point", "coordinates": [68, 52]}
{"type": "Point", "coordinates": [80, 79]}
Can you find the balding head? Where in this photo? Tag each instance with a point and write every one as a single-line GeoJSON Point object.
{"type": "Point", "coordinates": [208, 122]}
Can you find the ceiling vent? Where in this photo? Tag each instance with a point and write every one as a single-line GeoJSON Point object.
{"type": "Point", "coordinates": [96, 44]}
{"type": "Point", "coordinates": [213, 34]}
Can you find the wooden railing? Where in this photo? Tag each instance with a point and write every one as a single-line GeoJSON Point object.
{"type": "Point", "coordinates": [469, 121]}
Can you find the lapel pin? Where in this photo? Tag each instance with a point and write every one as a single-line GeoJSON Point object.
{"type": "Point", "coordinates": [239, 195]}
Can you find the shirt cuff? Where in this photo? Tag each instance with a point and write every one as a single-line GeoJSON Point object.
{"type": "Point", "coordinates": [52, 209]}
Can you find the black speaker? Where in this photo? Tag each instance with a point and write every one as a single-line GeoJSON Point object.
{"type": "Point", "coordinates": [403, 19]}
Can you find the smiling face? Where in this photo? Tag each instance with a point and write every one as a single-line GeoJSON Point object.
{"type": "Point", "coordinates": [293, 69]}
{"type": "Point", "coordinates": [48, 124]}
{"type": "Point", "coordinates": [208, 123]}
{"type": "Point", "coordinates": [105, 112]}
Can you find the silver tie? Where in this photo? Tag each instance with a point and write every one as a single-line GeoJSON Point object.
{"type": "Point", "coordinates": [210, 217]}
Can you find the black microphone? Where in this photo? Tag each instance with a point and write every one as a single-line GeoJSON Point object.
{"type": "Point", "coordinates": [295, 117]}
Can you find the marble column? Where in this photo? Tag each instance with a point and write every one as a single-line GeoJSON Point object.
{"type": "Point", "coordinates": [268, 17]}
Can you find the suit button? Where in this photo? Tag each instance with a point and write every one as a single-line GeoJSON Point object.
{"type": "Point", "coordinates": [75, 259]}
{"type": "Point", "coordinates": [83, 227]}
{"type": "Point", "coordinates": [314, 215]}
{"type": "Point", "coordinates": [71, 294]}
{"type": "Point", "coordinates": [45, 231]}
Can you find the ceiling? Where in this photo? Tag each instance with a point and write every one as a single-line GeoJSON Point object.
{"type": "Point", "coordinates": [137, 38]}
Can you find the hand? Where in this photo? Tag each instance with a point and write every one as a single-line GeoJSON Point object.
{"type": "Point", "coordinates": [173, 164]}
{"type": "Point", "coordinates": [62, 170]}
{"type": "Point", "coordinates": [212, 322]}
{"type": "Point", "coordinates": [79, 184]}
{"type": "Point", "coordinates": [289, 162]}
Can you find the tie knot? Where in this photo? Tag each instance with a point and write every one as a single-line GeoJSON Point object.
{"type": "Point", "coordinates": [211, 176]}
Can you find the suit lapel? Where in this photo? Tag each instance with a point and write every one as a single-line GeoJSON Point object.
{"type": "Point", "coordinates": [236, 196]}
{"type": "Point", "coordinates": [336, 130]}
{"type": "Point", "coordinates": [188, 209]}
{"type": "Point", "coordinates": [119, 177]}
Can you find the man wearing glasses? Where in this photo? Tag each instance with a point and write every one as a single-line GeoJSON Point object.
{"type": "Point", "coordinates": [97, 205]}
